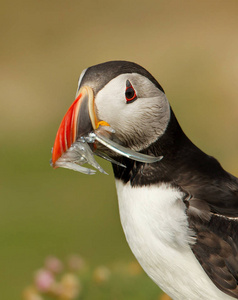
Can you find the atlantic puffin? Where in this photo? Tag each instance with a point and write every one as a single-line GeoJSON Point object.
{"type": "Point", "coordinates": [178, 206]}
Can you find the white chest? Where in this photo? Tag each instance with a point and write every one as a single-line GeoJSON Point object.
{"type": "Point", "coordinates": [156, 228]}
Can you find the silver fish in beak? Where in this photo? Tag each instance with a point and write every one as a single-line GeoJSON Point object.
{"type": "Point", "coordinates": [79, 134]}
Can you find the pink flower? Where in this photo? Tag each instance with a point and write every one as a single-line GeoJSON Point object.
{"type": "Point", "coordinates": [44, 280]}
{"type": "Point", "coordinates": [53, 264]}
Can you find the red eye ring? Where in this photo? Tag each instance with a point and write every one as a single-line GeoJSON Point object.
{"type": "Point", "coordinates": [130, 93]}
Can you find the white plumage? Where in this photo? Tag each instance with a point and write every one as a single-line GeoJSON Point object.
{"type": "Point", "coordinates": [156, 228]}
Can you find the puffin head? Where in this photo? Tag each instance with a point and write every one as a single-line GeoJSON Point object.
{"type": "Point", "coordinates": [122, 96]}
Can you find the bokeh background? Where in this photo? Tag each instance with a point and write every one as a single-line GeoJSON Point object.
{"type": "Point", "coordinates": [191, 47]}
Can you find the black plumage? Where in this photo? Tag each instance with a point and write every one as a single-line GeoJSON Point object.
{"type": "Point", "coordinates": [216, 250]}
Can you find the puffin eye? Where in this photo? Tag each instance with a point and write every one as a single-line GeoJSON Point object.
{"type": "Point", "coordinates": [130, 93]}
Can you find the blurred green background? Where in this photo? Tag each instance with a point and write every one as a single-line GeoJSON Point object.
{"type": "Point", "coordinates": [191, 47]}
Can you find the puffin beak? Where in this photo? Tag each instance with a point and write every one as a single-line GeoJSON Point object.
{"type": "Point", "coordinates": [79, 120]}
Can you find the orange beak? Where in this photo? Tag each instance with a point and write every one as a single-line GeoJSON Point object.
{"type": "Point", "coordinates": [79, 120]}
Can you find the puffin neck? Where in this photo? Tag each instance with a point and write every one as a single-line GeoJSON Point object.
{"type": "Point", "coordinates": [170, 145]}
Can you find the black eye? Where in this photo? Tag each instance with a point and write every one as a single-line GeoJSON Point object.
{"type": "Point", "coordinates": [130, 93]}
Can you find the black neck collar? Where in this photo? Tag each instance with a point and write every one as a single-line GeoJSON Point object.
{"type": "Point", "coordinates": [177, 151]}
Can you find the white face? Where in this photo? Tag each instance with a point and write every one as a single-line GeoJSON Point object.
{"type": "Point", "coordinates": [137, 124]}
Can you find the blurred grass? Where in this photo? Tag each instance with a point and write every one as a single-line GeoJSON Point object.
{"type": "Point", "coordinates": [190, 47]}
{"type": "Point", "coordinates": [122, 286]}
{"type": "Point", "coordinates": [118, 281]}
